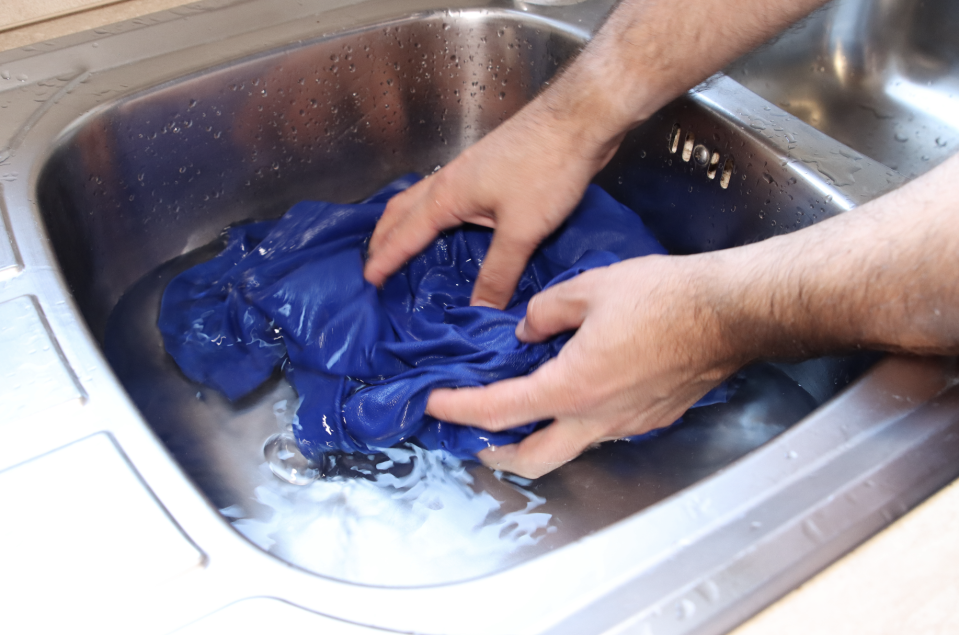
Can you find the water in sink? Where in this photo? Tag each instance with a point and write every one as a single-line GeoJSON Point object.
{"type": "Point", "coordinates": [409, 517]}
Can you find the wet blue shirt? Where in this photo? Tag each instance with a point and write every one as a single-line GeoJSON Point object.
{"type": "Point", "coordinates": [291, 293]}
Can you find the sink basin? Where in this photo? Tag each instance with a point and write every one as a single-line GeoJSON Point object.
{"type": "Point", "coordinates": [132, 148]}
{"type": "Point", "coordinates": [882, 77]}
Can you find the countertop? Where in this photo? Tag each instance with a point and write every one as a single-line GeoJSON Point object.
{"type": "Point", "coordinates": [904, 580]}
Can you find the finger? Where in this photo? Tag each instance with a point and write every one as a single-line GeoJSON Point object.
{"type": "Point", "coordinates": [501, 405]}
{"type": "Point", "coordinates": [502, 267]}
{"type": "Point", "coordinates": [403, 238]}
{"type": "Point", "coordinates": [557, 309]}
{"type": "Point", "coordinates": [543, 451]}
{"type": "Point", "coordinates": [396, 209]}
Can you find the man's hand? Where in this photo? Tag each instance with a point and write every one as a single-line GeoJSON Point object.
{"type": "Point", "coordinates": [643, 354]}
{"type": "Point", "coordinates": [523, 180]}
{"type": "Point", "coordinates": [525, 177]}
{"type": "Point", "coordinates": [656, 333]}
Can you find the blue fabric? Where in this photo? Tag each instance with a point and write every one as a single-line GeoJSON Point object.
{"type": "Point", "coordinates": [291, 293]}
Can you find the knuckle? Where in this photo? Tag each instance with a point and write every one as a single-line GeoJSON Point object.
{"type": "Point", "coordinates": [490, 417]}
{"type": "Point", "coordinates": [530, 471]}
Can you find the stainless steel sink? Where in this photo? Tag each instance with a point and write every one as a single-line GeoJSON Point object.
{"type": "Point", "coordinates": [882, 77]}
{"type": "Point", "coordinates": [126, 151]}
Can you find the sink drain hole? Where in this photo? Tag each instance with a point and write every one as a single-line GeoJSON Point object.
{"type": "Point", "coordinates": [728, 168]}
{"type": "Point", "coordinates": [688, 146]}
{"type": "Point", "coordinates": [713, 166]}
{"type": "Point", "coordinates": [674, 139]}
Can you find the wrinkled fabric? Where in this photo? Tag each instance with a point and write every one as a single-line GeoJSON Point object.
{"type": "Point", "coordinates": [290, 293]}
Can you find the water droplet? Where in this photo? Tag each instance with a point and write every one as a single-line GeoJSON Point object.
{"type": "Point", "coordinates": [941, 142]}
{"type": "Point", "coordinates": [5, 74]}
{"type": "Point", "coordinates": [287, 462]}
{"type": "Point", "coordinates": [900, 137]}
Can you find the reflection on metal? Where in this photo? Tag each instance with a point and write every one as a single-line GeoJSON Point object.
{"type": "Point", "coordinates": [34, 373]}
{"type": "Point", "coordinates": [882, 77]}
{"type": "Point", "coordinates": [9, 261]}
{"type": "Point", "coordinates": [174, 134]}
{"type": "Point", "coordinates": [62, 507]}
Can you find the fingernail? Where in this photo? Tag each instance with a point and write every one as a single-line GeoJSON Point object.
{"type": "Point", "coordinates": [484, 303]}
{"type": "Point", "coordinates": [520, 329]}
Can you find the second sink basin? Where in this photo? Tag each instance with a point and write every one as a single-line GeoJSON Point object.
{"type": "Point", "coordinates": [881, 77]}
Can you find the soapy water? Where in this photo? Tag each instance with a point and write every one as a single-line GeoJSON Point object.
{"type": "Point", "coordinates": [404, 516]}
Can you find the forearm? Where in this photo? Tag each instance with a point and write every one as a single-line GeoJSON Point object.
{"type": "Point", "coordinates": [525, 177]}
{"type": "Point", "coordinates": [651, 51]}
{"type": "Point", "coordinates": [883, 276]}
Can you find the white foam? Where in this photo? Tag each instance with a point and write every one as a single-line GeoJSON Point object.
{"type": "Point", "coordinates": [426, 527]}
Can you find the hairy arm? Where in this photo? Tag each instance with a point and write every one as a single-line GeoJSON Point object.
{"type": "Point", "coordinates": [525, 177]}
{"type": "Point", "coordinates": [883, 276]}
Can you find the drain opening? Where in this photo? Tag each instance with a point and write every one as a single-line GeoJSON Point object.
{"type": "Point", "coordinates": [674, 139]}
{"type": "Point", "coordinates": [688, 146]}
{"type": "Point", "coordinates": [713, 166]}
{"type": "Point", "coordinates": [728, 168]}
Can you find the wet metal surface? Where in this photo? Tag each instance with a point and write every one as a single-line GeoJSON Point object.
{"type": "Point", "coordinates": [34, 374]}
{"type": "Point", "coordinates": [881, 77]}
